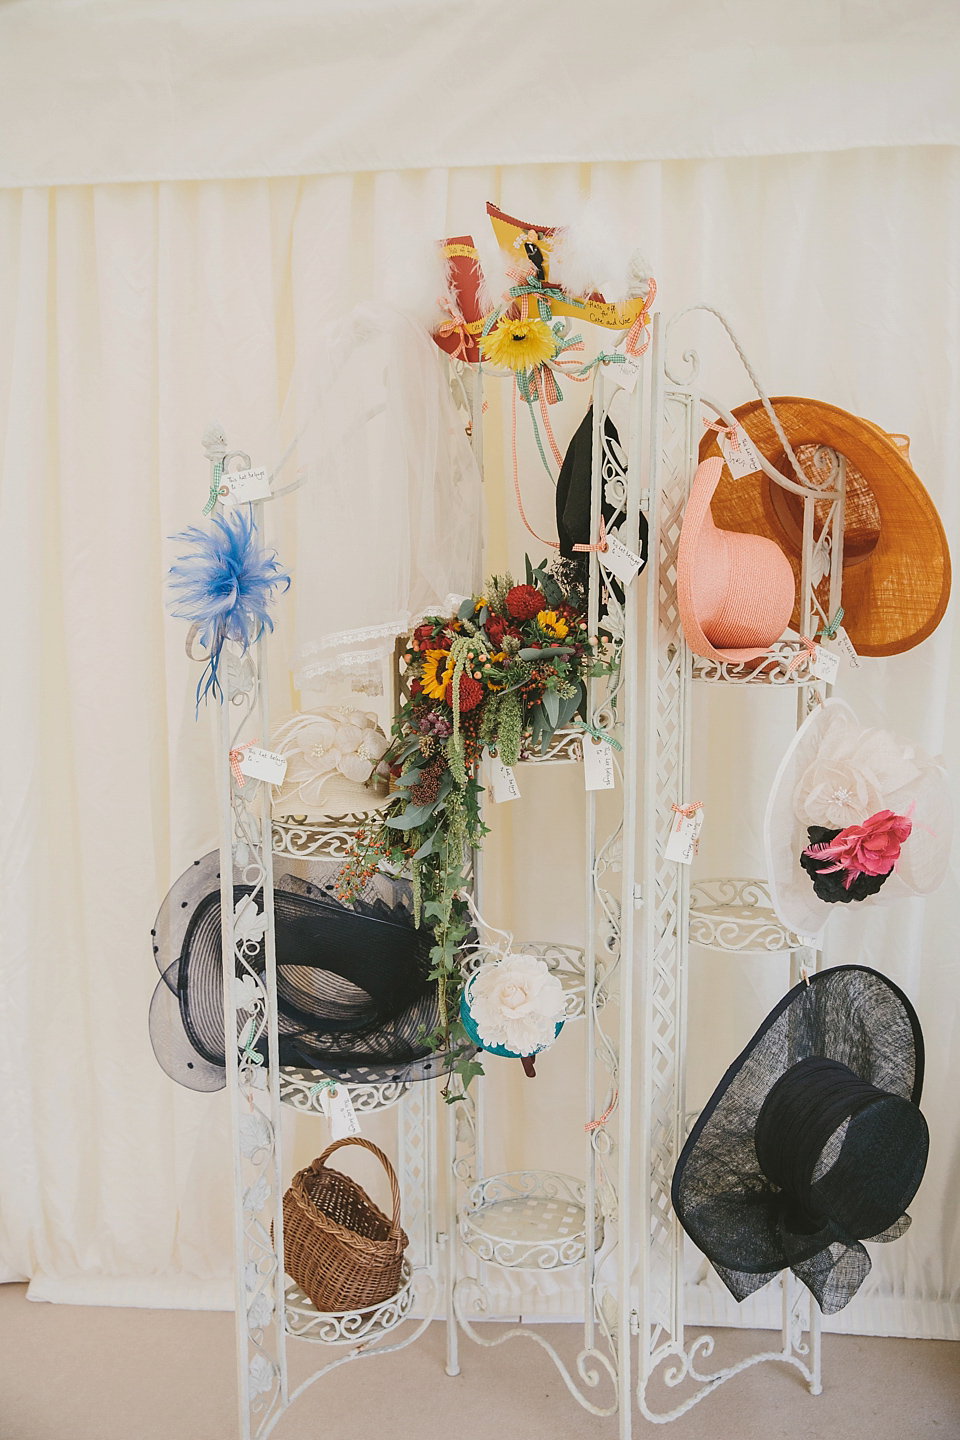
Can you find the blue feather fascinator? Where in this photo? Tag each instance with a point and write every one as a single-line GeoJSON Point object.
{"type": "Point", "coordinates": [223, 584]}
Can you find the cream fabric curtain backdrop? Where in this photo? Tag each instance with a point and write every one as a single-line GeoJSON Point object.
{"type": "Point", "coordinates": [119, 90]}
{"type": "Point", "coordinates": [130, 316]}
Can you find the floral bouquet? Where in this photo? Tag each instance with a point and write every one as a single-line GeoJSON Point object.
{"type": "Point", "coordinates": [506, 671]}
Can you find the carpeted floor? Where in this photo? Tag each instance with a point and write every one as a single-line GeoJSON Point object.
{"type": "Point", "coordinates": [77, 1373]}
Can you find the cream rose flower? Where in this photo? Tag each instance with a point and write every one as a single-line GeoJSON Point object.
{"type": "Point", "coordinates": [516, 1002]}
{"type": "Point", "coordinates": [850, 777]}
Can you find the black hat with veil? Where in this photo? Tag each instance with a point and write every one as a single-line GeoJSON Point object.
{"type": "Point", "coordinates": [354, 996]}
{"type": "Point", "coordinates": [812, 1142]}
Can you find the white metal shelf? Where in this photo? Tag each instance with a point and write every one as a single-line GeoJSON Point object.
{"type": "Point", "coordinates": [346, 1327]}
{"type": "Point", "coordinates": [528, 1220]}
{"type": "Point", "coordinates": [298, 1090]}
{"type": "Point", "coordinates": [734, 916]}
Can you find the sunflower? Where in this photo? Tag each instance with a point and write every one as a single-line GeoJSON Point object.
{"type": "Point", "coordinates": [436, 673]}
{"type": "Point", "coordinates": [552, 625]}
{"type": "Point", "coordinates": [520, 344]}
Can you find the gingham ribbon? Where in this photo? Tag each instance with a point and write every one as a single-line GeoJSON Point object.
{"type": "Point", "coordinates": [592, 1125]}
{"type": "Point", "coordinates": [601, 546]}
{"type": "Point", "coordinates": [236, 755]}
{"type": "Point", "coordinates": [809, 652]}
{"type": "Point", "coordinates": [829, 632]}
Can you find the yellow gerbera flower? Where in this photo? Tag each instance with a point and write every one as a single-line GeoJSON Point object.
{"type": "Point", "coordinates": [520, 344]}
{"type": "Point", "coordinates": [552, 625]}
{"type": "Point", "coordinates": [436, 673]}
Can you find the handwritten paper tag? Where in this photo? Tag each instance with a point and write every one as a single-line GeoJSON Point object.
{"type": "Point", "coordinates": [682, 845]}
{"type": "Point", "coordinates": [503, 782]}
{"type": "Point", "coordinates": [742, 459]}
{"type": "Point", "coordinates": [244, 485]}
{"type": "Point", "coordinates": [620, 561]}
{"type": "Point", "coordinates": [627, 374]}
{"type": "Point", "coordinates": [263, 765]}
{"type": "Point", "coordinates": [825, 665]}
{"type": "Point", "coordinates": [843, 646]}
{"type": "Point", "coordinates": [336, 1104]}
{"type": "Point", "coordinates": [598, 771]}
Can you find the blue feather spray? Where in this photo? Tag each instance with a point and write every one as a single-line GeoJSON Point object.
{"type": "Point", "coordinates": [224, 585]}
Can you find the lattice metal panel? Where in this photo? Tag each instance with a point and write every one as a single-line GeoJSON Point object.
{"type": "Point", "coordinates": [417, 1169]}
{"type": "Point", "coordinates": [664, 976]}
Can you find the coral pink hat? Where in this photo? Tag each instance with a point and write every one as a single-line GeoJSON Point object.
{"type": "Point", "coordinates": [736, 592]}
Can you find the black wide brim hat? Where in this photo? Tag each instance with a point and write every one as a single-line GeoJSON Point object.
{"type": "Point", "coordinates": [850, 1032]}
{"type": "Point", "coordinates": [354, 997]}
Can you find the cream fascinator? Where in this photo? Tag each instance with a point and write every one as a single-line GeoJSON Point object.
{"type": "Point", "coordinates": [334, 762]}
{"type": "Point", "coordinates": [854, 815]}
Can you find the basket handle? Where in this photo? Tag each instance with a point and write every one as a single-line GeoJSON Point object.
{"type": "Point", "coordinates": [319, 1163]}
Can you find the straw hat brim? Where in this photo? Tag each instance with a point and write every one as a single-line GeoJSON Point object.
{"type": "Point", "coordinates": [894, 597]}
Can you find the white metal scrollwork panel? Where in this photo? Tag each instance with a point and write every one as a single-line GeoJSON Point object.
{"type": "Point", "coordinates": [250, 1019]}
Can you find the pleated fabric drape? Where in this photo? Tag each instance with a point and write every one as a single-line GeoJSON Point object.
{"type": "Point", "coordinates": [131, 316]}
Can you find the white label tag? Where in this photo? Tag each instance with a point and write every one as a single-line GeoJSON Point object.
{"type": "Point", "coordinates": [244, 485]}
{"type": "Point", "coordinates": [620, 561]}
{"type": "Point", "coordinates": [336, 1104]}
{"type": "Point", "coordinates": [626, 375]}
{"type": "Point", "coordinates": [598, 771]}
{"type": "Point", "coordinates": [263, 765]}
{"type": "Point", "coordinates": [825, 665]}
{"type": "Point", "coordinates": [682, 845]}
{"type": "Point", "coordinates": [844, 647]}
{"type": "Point", "coordinates": [742, 458]}
{"type": "Point", "coordinates": [503, 782]}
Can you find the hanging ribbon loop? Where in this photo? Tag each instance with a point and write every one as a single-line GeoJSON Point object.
{"type": "Point", "coordinates": [808, 652]}
{"type": "Point", "coordinates": [236, 756]}
{"type": "Point", "coordinates": [601, 546]}
{"type": "Point", "coordinates": [829, 632]}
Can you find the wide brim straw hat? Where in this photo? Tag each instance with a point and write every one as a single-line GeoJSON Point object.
{"type": "Point", "coordinates": [735, 592]}
{"type": "Point", "coordinates": [896, 564]}
{"type": "Point", "coordinates": [870, 770]}
{"type": "Point", "coordinates": [354, 996]}
{"type": "Point", "coordinates": [813, 1140]}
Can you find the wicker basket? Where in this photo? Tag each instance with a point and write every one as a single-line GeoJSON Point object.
{"type": "Point", "coordinates": [339, 1247]}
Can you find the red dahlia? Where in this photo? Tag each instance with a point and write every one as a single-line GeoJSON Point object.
{"type": "Point", "coordinates": [525, 601]}
{"type": "Point", "coordinates": [471, 693]}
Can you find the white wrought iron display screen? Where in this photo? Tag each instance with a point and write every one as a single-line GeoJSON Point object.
{"type": "Point", "coordinates": [628, 984]}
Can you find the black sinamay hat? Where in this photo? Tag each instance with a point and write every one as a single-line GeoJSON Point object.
{"type": "Point", "coordinates": [813, 1140]}
{"type": "Point", "coordinates": [354, 996]}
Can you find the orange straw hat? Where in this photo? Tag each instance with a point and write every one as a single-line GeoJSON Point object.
{"type": "Point", "coordinates": [896, 565]}
{"type": "Point", "coordinates": [735, 591]}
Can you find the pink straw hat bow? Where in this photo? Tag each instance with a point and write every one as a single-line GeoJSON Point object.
{"type": "Point", "coordinates": [736, 592]}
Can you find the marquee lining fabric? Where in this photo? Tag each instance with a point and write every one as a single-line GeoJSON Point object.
{"type": "Point", "coordinates": [95, 91]}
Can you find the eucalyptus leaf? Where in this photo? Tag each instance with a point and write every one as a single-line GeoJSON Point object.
{"type": "Point", "coordinates": [466, 610]}
{"type": "Point", "coordinates": [409, 777]}
{"type": "Point", "coordinates": [413, 816]}
{"type": "Point", "coordinates": [551, 705]}
{"type": "Point", "coordinates": [427, 847]}
{"type": "Point", "coordinates": [568, 707]}
{"type": "Point", "coordinates": [546, 654]}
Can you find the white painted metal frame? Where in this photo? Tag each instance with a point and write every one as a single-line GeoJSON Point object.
{"type": "Point", "coordinates": [500, 1220]}
{"type": "Point", "coordinates": [268, 1306]}
{"type": "Point", "coordinates": [725, 915]}
{"type": "Point", "coordinates": [605, 1209]}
